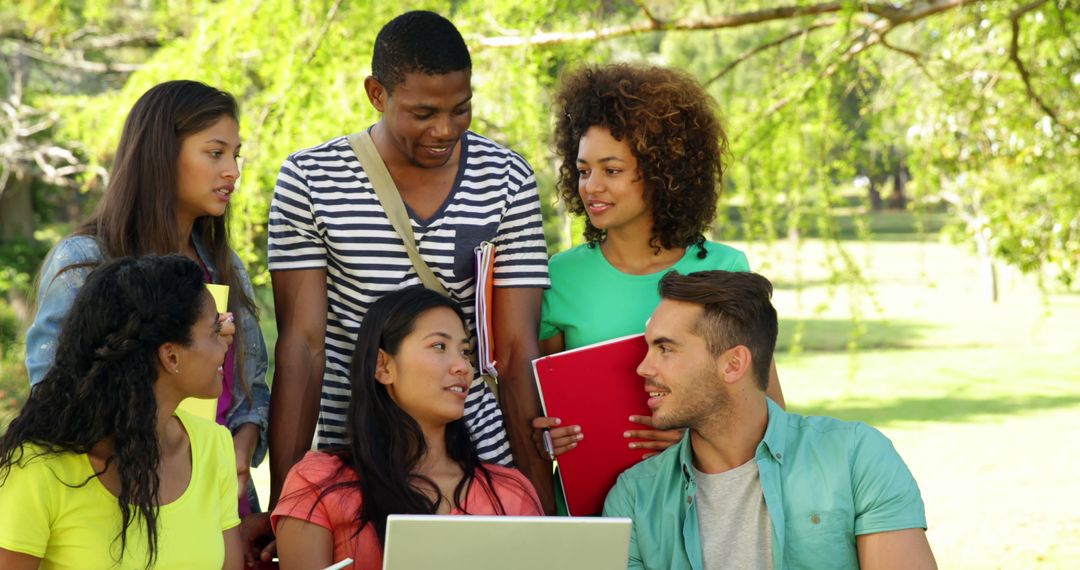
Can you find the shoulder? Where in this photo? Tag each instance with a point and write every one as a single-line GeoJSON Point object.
{"type": "Point", "coordinates": [34, 466]}
{"type": "Point", "coordinates": [328, 158]}
{"type": "Point", "coordinates": [205, 434]}
{"type": "Point", "coordinates": [316, 466]}
{"type": "Point", "coordinates": [573, 258]}
{"type": "Point", "coordinates": [721, 256]}
{"type": "Point", "coordinates": [333, 149]}
{"type": "Point", "coordinates": [486, 153]}
{"type": "Point", "coordinates": [76, 249]}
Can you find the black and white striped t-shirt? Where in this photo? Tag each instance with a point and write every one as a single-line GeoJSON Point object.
{"type": "Point", "coordinates": [325, 215]}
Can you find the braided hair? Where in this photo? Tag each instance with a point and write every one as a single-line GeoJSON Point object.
{"type": "Point", "coordinates": [102, 383]}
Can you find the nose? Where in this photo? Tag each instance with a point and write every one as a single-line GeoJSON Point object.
{"type": "Point", "coordinates": [232, 169]}
{"type": "Point", "coordinates": [443, 128]}
{"type": "Point", "coordinates": [646, 369]}
{"type": "Point", "coordinates": [461, 366]}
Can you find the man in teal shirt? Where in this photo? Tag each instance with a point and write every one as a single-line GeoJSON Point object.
{"type": "Point", "coordinates": [753, 486]}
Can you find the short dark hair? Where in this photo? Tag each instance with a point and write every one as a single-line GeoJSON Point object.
{"type": "Point", "coordinates": [417, 41]}
{"type": "Point", "coordinates": [736, 311]}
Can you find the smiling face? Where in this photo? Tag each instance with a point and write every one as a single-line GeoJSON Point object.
{"type": "Point", "coordinates": [610, 185]}
{"type": "Point", "coordinates": [682, 377]}
{"type": "Point", "coordinates": [197, 368]}
{"type": "Point", "coordinates": [426, 115]}
{"type": "Point", "coordinates": [429, 376]}
{"type": "Point", "coordinates": [207, 170]}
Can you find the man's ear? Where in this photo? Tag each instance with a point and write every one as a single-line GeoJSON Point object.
{"type": "Point", "coordinates": [735, 364]}
{"type": "Point", "coordinates": [169, 358]}
{"type": "Point", "coordinates": [376, 93]}
{"type": "Point", "coordinates": [382, 368]}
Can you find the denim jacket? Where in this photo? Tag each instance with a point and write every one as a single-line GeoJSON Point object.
{"type": "Point", "coordinates": [56, 294]}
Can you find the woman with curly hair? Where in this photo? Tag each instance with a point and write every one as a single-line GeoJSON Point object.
{"type": "Point", "coordinates": [100, 469]}
{"type": "Point", "coordinates": [642, 154]}
{"type": "Point", "coordinates": [169, 191]}
{"type": "Point", "coordinates": [408, 449]}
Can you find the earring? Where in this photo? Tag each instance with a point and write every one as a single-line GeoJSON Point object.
{"type": "Point", "coordinates": [176, 371]}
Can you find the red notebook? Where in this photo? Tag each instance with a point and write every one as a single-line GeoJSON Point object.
{"type": "Point", "coordinates": [598, 388]}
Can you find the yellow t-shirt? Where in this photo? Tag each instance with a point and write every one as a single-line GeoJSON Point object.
{"type": "Point", "coordinates": [44, 512]}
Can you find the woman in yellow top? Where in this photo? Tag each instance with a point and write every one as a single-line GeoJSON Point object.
{"type": "Point", "coordinates": [99, 469]}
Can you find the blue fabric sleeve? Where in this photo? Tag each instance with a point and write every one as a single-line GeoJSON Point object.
{"type": "Point", "coordinates": [886, 495]}
{"type": "Point", "coordinates": [255, 410]}
{"type": "Point", "coordinates": [620, 503]}
{"type": "Point", "coordinates": [56, 293]}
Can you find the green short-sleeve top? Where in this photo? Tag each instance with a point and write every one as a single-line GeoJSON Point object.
{"type": "Point", "coordinates": [591, 301]}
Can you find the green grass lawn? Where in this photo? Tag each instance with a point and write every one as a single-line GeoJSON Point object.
{"type": "Point", "coordinates": [981, 399]}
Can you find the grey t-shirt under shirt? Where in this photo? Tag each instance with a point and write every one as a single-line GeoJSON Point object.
{"type": "Point", "coordinates": [736, 531]}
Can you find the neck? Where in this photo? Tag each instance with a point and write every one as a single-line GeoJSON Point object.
{"type": "Point", "coordinates": [436, 455]}
{"type": "Point", "coordinates": [168, 426]}
{"type": "Point", "coordinates": [729, 439]}
{"type": "Point", "coordinates": [628, 248]}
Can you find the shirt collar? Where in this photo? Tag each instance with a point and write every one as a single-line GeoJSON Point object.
{"type": "Point", "coordinates": [772, 444]}
{"type": "Point", "coordinates": [775, 433]}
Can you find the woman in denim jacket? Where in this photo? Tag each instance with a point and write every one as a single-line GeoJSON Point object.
{"type": "Point", "coordinates": [175, 169]}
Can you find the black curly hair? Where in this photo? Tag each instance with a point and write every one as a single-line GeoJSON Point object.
{"type": "Point", "coordinates": [102, 382]}
{"type": "Point", "coordinates": [417, 41]}
{"type": "Point", "coordinates": [672, 128]}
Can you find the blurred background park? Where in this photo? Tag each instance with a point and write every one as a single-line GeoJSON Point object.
{"type": "Point", "coordinates": [907, 173]}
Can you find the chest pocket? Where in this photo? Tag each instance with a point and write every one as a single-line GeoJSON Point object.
{"type": "Point", "coordinates": [820, 539]}
{"type": "Point", "coordinates": [465, 241]}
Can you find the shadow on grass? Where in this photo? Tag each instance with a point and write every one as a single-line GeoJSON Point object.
{"type": "Point", "coordinates": [833, 335]}
{"type": "Point", "coordinates": [946, 409]}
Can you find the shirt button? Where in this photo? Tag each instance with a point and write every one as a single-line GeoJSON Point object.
{"type": "Point", "coordinates": [689, 500]}
{"type": "Point", "coordinates": [815, 519]}
{"type": "Point", "coordinates": [778, 456]}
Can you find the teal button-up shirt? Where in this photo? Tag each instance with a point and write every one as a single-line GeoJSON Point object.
{"type": "Point", "coordinates": [825, 482]}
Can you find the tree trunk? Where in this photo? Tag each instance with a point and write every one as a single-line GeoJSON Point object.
{"type": "Point", "coordinates": [16, 208]}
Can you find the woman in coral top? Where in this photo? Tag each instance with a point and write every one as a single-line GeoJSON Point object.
{"type": "Point", "coordinates": [409, 450]}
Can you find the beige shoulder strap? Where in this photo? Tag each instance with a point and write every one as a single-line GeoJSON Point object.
{"type": "Point", "coordinates": [392, 204]}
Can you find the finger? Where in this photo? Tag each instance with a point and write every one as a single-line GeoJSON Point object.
{"type": "Point", "coordinates": [544, 423]}
{"type": "Point", "coordinates": [648, 455]}
{"type": "Point", "coordinates": [655, 435]}
{"type": "Point", "coordinates": [655, 445]}
{"type": "Point", "coordinates": [559, 450]}
{"type": "Point", "coordinates": [269, 551]}
{"type": "Point", "coordinates": [643, 420]}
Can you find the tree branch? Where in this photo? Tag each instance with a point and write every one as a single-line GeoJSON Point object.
{"type": "Point", "coordinates": [893, 15]}
{"type": "Point", "coordinates": [1025, 76]}
{"type": "Point", "coordinates": [802, 32]}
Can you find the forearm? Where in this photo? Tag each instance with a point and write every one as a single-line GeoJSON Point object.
{"type": "Point", "coordinates": [294, 409]}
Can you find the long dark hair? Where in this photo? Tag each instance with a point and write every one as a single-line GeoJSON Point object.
{"type": "Point", "coordinates": [102, 382]}
{"type": "Point", "coordinates": [137, 214]}
{"type": "Point", "coordinates": [385, 444]}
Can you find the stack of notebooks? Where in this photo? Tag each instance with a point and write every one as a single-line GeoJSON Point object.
{"type": "Point", "coordinates": [485, 266]}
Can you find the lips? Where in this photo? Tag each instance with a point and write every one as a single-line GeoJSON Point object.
{"type": "Point", "coordinates": [597, 207]}
{"type": "Point", "coordinates": [461, 390]}
{"type": "Point", "coordinates": [656, 395]}
{"type": "Point", "coordinates": [224, 192]}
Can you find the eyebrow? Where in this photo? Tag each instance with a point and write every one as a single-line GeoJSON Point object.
{"type": "Point", "coordinates": [603, 160]}
{"type": "Point", "coordinates": [222, 143]}
{"type": "Point", "coordinates": [429, 107]}
{"type": "Point", "coordinates": [663, 340]}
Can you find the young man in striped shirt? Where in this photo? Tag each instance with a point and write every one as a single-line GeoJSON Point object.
{"type": "Point", "coordinates": [333, 251]}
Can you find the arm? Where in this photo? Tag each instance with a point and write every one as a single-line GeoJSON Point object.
{"type": "Point", "coordinates": [773, 391]}
{"type": "Point", "coordinates": [303, 545]}
{"type": "Point", "coordinates": [253, 411]}
{"type": "Point", "coordinates": [897, 550]}
{"type": "Point", "coordinates": [61, 277]}
{"type": "Point", "coordinates": [300, 307]}
{"type": "Point", "coordinates": [244, 441]}
{"type": "Point", "coordinates": [234, 549]}
{"type": "Point", "coordinates": [516, 320]}
{"type": "Point", "coordinates": [11, 560]}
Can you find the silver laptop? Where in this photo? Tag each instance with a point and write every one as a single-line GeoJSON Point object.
{"type": "Point", "coordinates": [423, 542]}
